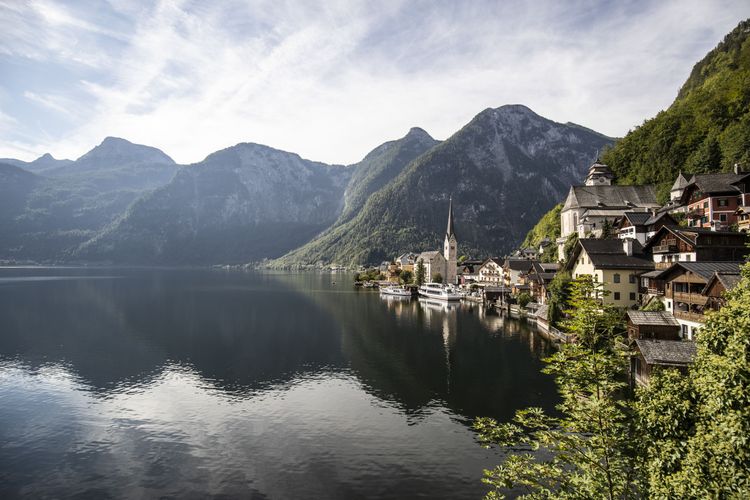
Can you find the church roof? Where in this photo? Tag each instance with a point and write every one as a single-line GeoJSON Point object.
{"type": "Point", "coordinates": [612, 197]}
{"type": "Point", "coordinates": [449, 229]}
{"type": "Point", "coordinates": [679, 183]}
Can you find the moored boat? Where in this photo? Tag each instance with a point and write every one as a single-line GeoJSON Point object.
{"type": "Point", "coordinates": [439, 291]}
{"type": "Point", "coordinates": [395, 291]}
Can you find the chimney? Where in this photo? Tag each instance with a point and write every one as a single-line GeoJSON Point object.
{"type": "Point", "coordinates": [627, 246]}
{"type": "Point", "coordinates": [738, 169]}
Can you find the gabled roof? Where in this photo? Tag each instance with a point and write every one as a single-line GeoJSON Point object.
{"type": "Point", "coordinates": [667, 352]}
{"type": "Point", "coordinates": [657, 217]}
{"type": "Point", "coordinates": [637, 218]}
{"type": "Point", "coordinates": [518, 264]}
{"type": "Point", "coordinates": [610, 254]}
{"type": "Point", "coordinates": [429, 255]}
{"type": "Point", "coordinates": [496, 260]}
{"type": "Point", "coordinates": [728, 280]}
{"type": "Point", "coordinates": [705, 270]}
{"type": "Point", "coordinates": [679, 183]}
{"type": "Point", "coordinates": [712, 184]}
{"type": "Point", "coordinates": [690, 235]}
{"type": "Point", "coordinates": [622, 197]}
{"type": "Point", "coordinates": [652, 318]}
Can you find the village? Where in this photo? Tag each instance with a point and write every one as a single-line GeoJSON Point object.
{"type": "Point", "coordinates": [666, 266]}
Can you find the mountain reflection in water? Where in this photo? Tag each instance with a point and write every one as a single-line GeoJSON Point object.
{"type": "Point", "coordinates": [197, 382]}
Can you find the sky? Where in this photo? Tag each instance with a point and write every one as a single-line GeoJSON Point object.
{"type": "Point", "coordinates": [331, 80]}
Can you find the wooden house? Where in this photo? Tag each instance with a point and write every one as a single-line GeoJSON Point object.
{"type": "Point", "coordinates": [653, 354]}
{"type": "Point", "coordinates": [659, 325]}
{"type": "Point", "coordinates": [692, 244]}
{"type": "Point", "coordinates": [712, 199]}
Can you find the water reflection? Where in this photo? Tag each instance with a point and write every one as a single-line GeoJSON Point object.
{"type": "Point", "coordinates": [180, 383]}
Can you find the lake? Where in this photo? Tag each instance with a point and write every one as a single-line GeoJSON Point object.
{"type": "Point", "coordinates": [141, 383]}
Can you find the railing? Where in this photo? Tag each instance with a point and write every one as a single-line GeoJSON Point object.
{"type": "Point", "coordinates": [558, 335]}
{"type": "Point", "coordinates": [665, 248]}
{"type": "Point", "coordinates": [655, 291]}
{"type": "Point", "coordinates": [695, 213]}
{"type": "Point", "coordinates": [690, 298]}
{"type": "Point", "coordinates": [689, 316]}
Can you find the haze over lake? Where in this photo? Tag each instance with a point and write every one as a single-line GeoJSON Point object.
{"type": "Point", "coordinates": [188, 383]}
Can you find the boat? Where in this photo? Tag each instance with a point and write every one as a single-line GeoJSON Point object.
{"type": "Point", "coordinates": [438, 291]}
{"type": "Point", "coordinates": [395, 290]}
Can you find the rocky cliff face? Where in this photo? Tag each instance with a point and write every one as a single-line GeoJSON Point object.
{"type": "Point", "coordinates": [504, 169]}
{"type": "Point", "coordinates": [244, 203]}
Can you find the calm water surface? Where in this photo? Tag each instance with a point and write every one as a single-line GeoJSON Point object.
{"type": "Point", "coordinates": [151, 383]}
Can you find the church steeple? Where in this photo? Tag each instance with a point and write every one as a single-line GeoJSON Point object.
{"type": "Point", "coordinates": [450, 247]}
{"type": "Point", "coordinates": [449, 230]}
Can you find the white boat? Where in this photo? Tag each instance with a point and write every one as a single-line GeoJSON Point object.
{"type": "Point", "coordinates": [395, 291]}
{"type": "Point", "coordinates": [438, 291]}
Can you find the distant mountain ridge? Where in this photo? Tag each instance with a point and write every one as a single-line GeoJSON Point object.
{"type": "Point", "coordinates": [504, 169]}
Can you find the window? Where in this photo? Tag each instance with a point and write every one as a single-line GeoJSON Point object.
{"type": "Point", "coordinates": [616, 278]}
{"type": "Point", "coordinates": [631, 278]}
{"type": "Point", "coordinates": [617, 295]}
{"type": "Point", "coordinates": [688, 257]}
{"type": "Point", "coordinates": [669, 304]}
{"type": "Point", "coordinates": [632, 295]}
{"type": "Point", "coordinates": [723, 202]}
{"type": "Point", "coordinates": [723, 217]}
{"type": "Point", "coordinates": [684, 331]}
{"type": "Point", "coordinates": [705, 204]}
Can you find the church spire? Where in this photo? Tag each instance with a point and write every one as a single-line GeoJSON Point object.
{"type": "Point", "coordinates": [449, 230]}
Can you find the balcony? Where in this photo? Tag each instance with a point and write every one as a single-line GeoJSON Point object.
{"type": "Point", "coordinates": [689, 316]}
{"type": "Point", "coordinates": [670, 246]}
{"type": "Point", "coordinates": [655, 291]}
{"type": "Point", "coordinates": [695, 213]}
{"type": "Point", "coordinates": [690, 298]}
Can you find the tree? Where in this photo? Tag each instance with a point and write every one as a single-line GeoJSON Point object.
{"type": "Point", "coordinates": [420, 273]}
{"type": "Point", "coordinates": [559, 294]}
{"type": "Point", "coordinates": [586, 452]}
{"type": "Point", "coordinates": [523, 299]}
{"type": "Point", "coordinates": [437, 278]}
{"type": "Point", "coordinates": [696, 429]}
{"type": "Point", "coordinates": [607, 229]}
{"type": "Point", "coordinates": [406, 276]}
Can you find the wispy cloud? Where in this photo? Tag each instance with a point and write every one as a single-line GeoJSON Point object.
{"type": "Point", "coordinates": [332, 80]}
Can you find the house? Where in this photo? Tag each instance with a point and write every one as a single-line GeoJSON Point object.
{"type": "Point", "coordinates": [713, 199]}
{"type": "Point", "coordinates": [653, 354]}
{"type": "Point", "coordinates": [643, 225]}
{"type": "Point", "coordinates": [720, 282]}
{"type": "Point", "coordinates": [491, 271]}
{"type": "Point", "coordinates": [527, 253]}
{"type": "Point", "coordinates": [659, 325]}
{"type": "Point", "coordinates": [468, 271]}
{"type": "Point", "coordinates": [692, 244]}
{"type": "Point", "coordinates": [616, 263]}
{"type": "Point", "coordinates": [684, 285]}
{"type": "Point", "coordinates": [538, 278]}
{"type": "Point", "coordinates": [406, 261]}
{"type": "Point", "coordinates": [587, 207]}
{"type": "Point", "coordinates": [742, 214]}
{"type": "Point", "coordinates": [513, 268]}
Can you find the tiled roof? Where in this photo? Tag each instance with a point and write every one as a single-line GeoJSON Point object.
{"type": "Point", "coordinates": [610, 254]}
{"type": "Point", "coordinates": [667, 352]}
{"type": "Point", "coordinates": [622, 197]}
{"type": "Point", "coordinates": [680, 182]}
{"type": "Point", "coordinates": [703, 269]}
{"type": "Point", "coordinates": [728, 280]}
{"type": "Point", "coordinates": [638, 218]}
{"type": "Point", "coordinates": [714, 183]}
{"type": "Point", "coordinates": [655, 318]}
{"type": "Point", "coordinates": [519, 264]}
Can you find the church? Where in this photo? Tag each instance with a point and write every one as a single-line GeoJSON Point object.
{"type": "Point", "coordinates": [444, 264]}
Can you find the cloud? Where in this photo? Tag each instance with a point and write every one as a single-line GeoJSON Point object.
{"type": "Point", "coordinates": [332, 80]}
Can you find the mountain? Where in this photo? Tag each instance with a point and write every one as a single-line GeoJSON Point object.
{"type": "Point", "coordinates": [44, 162]}
{"type": "Point", "coordinates": [67, 202]}
{"type": "Point", "coordinates": [377, 169]}
{"type": "Point", "coordinates": [504, 169]}
{"type": "Point", "coordinates": [240, 204]}
{"type": "Point", "coordinates": [706, 129]}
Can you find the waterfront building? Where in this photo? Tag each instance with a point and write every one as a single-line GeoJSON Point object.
{"type": "Point", "coordinates": [653, 354]}
{"type": "Point", "coordinates": [491, 271]}
{"type": "Point", "coordinates": [513, 268]}
{"type": "Point", "coordinates": [434, 264]}
{"type": "Point", "coordinates": [713, 199]}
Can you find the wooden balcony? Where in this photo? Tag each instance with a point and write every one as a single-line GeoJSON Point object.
{"type": "Point", "coordinates": [665, 248]}
{"type": "Point", "coordinates": [689, 316]}
{"type": "Point", "coordinates": [690, 298]}
{"type": "Point", "coordinates": [655, 291]}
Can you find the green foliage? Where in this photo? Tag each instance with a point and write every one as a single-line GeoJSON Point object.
{"type": "Point", "coordinates": [437, 278]}
{"type": "Point", "coordinates": [559, 295]}
{"type": "Point", "coordinates": [419, 276]}
{"type": "Point", "coordinates": [547, 227]}
{"type": "Point", "coordinates": [570, 244]}
{"type": "Point", "coordinates": [654, 305]}
{"type": "Point", "coordinates": [587, 451]}
{"type": "Point", "coordinates": [607, 230]}
{"type": "Point", "coordinates": [706, 129]}
{"type": "Point", "coordinates": [696, 429]}
{"type": "Point", "coordinates": [523, 299]}
{"type": "Point", "coordinates": [406, 277]}
{"type": "Point", "coordinates": [373, 274]}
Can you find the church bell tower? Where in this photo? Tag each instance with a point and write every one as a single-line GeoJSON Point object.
{"type": "Point", "coordinates": [450, 248]}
